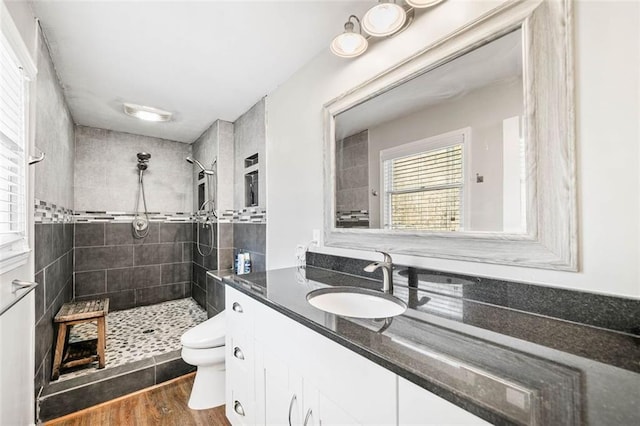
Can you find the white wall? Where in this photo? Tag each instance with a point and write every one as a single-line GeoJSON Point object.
{"type": "Point", "coordinates": [608, 107]}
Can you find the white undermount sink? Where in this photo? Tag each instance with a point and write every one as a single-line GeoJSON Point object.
{"type": "Point", "coordinates": [356, 302]}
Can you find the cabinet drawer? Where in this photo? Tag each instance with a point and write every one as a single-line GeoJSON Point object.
{"type": "Point", "coordinates": [240, 311]}
{"type": "Point", "coordinates": [239, 351]}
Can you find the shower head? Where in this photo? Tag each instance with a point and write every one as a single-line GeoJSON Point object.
{"type": "Point", "coordinates": [194, 161]}
{"type": "Point", "coordinates": [144, 156]}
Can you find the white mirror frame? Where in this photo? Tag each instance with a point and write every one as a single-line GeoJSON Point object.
{"type": "Point", "coordinates": [551, 240]}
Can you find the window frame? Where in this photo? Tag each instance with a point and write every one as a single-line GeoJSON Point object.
{"type": "Point", "coordinates": [455, 137]}
{"type": "Point", "coordinates": [15, 253]}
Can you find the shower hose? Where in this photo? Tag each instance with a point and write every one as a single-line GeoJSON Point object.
{"type": "Point", "coordinates": [141, 225]}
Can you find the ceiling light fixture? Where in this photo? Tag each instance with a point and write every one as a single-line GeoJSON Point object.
{"type": "Point", "coordinates": [349, 44]}
{"type": "Point", "coordinates": [147, 113]}
{"type": "Point", "coordinates": [418, 4]}
{"type": "Point", "coordinates": [384, 19]}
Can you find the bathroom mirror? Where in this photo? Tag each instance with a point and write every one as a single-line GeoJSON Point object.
{"type": "Point", "coordinates": [464, 151]}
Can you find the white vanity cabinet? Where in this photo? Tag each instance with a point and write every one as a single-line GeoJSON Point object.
{"type": "Point", "coordinates": [417, 406]}
{"type": "Point", "coordinates": [314, 381]}
{"type": "Point", "coordinates": [291, 375]}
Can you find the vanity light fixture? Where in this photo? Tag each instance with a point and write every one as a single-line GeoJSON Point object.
{"type": "Point", "coordinates": [418, 4]}
{"type": "Point", "coordinates": [349, 44]}
{"type": "Point", "coordinates": [146, 113]}
{"type": "Point", "coordinates": [384, 19]}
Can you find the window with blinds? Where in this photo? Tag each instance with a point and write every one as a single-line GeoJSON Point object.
{"type": "Point", "coordinates": [424, 184]}
{"type": "Point", "coordinates": [12, 153]}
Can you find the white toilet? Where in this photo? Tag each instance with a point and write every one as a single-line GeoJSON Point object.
{"type": "Point", "coordinates": [203, 346]}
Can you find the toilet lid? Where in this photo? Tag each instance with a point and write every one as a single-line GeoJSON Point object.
{"type": "Point", "coordinates": [209, 334]}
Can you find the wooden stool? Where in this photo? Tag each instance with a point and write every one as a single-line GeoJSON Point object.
{"type": "Point", "coordinates": [85, 352]}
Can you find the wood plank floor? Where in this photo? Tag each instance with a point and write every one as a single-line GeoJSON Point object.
{"type": "Point", "coordinates": [164, 404]}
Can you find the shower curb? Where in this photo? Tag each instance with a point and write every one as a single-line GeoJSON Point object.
{"type": "Point", "coordinates": [60, 398]}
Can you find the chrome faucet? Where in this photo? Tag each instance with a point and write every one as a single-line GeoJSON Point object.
{"type": "Point", "coordinates": [387, 272]}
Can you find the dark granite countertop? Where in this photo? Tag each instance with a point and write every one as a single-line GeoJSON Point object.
{"type": "Point", "coordinates": [507, 364]}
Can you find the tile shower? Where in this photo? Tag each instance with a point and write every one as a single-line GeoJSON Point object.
{"type": "Point", "coordinates": [85, 194]}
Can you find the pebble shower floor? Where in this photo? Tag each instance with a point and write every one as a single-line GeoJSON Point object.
{"type": "Point", "coordinates": [139, 333]}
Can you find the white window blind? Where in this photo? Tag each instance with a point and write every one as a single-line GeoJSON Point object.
{"type": "Point", "coordinates": [12, 153]}
{"type": "Point", "coordinates": [424, 189]}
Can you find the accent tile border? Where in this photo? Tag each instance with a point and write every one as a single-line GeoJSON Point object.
{"type": "Point", "coordinates": [353, 217]}
{"type": "Point", "coordinates": [248, 215]}
{"type": "Point", "coordinates": [46, 212]}
{"type": "Point", "coordinates": [99, 216]}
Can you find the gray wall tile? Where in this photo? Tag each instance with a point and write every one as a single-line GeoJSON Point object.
{"type": "Point", "coordinates": [44, 336]}
{"type": "Point", "coordinates": [151, 295]}
{"type": "Point", "coordinates": [57, 234]}
{"type": "Point", "coordinates": [199, 295]}
{"type": "Point", "coordinates": [88, 283]}
{"type": "Point", "coordinates": [225, 258]}
{"type": "Point", "coordinates": [250, 237]}
{"type": "Point", "coordinates": [94, 258]}
{"type": "Point", "coordinates": [204, 234]}
{"type": "Point", "coordinates": [215, 293]}
{"type": "Point", "coordinates": [39, 296]}
{"type": "Point", "coordinates": [146, 276]}
{"type": "Point", "coordinates": [199, 275]}
{"type": "Point", "coordinates": [175, 232]}
{"type": "Point", "coordinates": [176, 273]}
{"type": "Point", "coordinates": [43, 242]}
{"type": "Point", "coordinates": [118, 300]}
{"type": "Point", "coordinates": [153, 254]}
{"type": "Point", "coordinates": [187, 252]}
{"type": "Point", "coordinates": [89, 234]}
{"type": "Point", "coordinates": [118, 279]}
{"type": "Point", "coordinates": [122, 234]}
{"type": "Point", "coordinates": [225, 235]}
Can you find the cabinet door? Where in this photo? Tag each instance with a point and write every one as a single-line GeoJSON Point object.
{"type": "Point", "coordinates": [418, 406]}
{"type": "Point", "coordinates": [283, 397]}
{"type": "Point", "coordinates": [331, 414]}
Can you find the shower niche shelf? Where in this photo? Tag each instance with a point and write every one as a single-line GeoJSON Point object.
{"type": "Point", "coordinates": [251, 181]}
{"type": "Point", "coordinates": [251, 160]}
{"type": "Point", "coordinates": [251, 189]}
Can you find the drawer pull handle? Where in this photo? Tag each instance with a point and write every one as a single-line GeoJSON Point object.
{"type": "Point", "coordinates": [236, 307]}
{"type": "Point", "coordinates": [237, 352]}
{"type": "Point", "coordinates": [306, 418]}
{"type": "Point", "coordinates": [293, 400]}
{"type": "Point", "coordinates": [237, 407]}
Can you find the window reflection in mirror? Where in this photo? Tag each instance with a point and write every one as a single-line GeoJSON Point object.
{"type": "Point", "coordinates": [441, 152]}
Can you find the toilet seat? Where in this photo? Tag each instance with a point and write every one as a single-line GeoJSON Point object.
{"type": "Point", "coordinates": [209, 334]}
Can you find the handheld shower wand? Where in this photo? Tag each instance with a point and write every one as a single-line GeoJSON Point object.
{"type": "Point", "coordinates": [194, 161]}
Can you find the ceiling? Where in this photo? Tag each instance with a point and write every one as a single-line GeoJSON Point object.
{"type": "Point", "coordinates": [201, 60]}
{"type": "Point", "coordinates": [493, 63]}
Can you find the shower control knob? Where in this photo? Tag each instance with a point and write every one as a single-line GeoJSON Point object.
{"type": "Point", "coordinates": [140, 224]}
